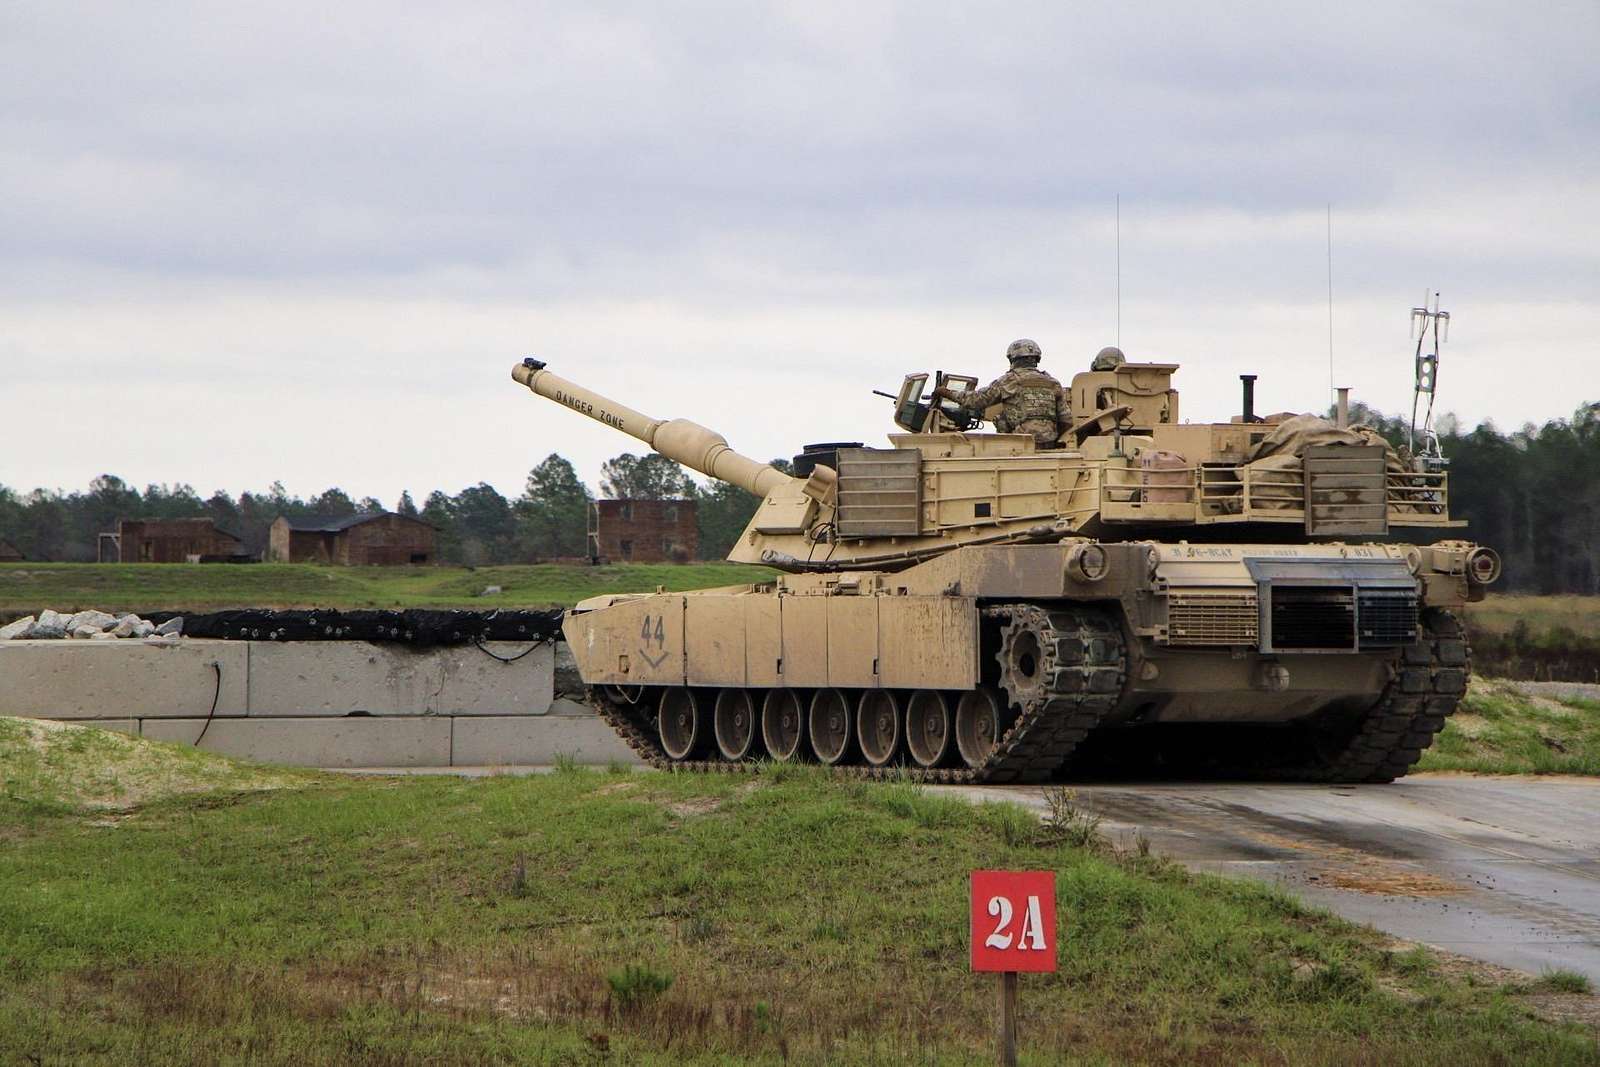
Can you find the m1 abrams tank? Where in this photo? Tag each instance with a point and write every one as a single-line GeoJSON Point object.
{"type": "Point", "coordinates": [971, 607]}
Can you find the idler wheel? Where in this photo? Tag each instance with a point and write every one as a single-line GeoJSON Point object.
{"type": "Point", "coordinates": [928, 728]}
{"type": "Point", "coordinates": [980, 723]}
{"type": "Point", "coordinates": [734, 723]}
{"type": "Point", "coordinates": [783, 725]}
{"type": "Point", "coordinates": [830, 725]}
{"type": "Point", "coordinates": [879, 727]}
{"type": "Point", "coordinates": [682, 722]}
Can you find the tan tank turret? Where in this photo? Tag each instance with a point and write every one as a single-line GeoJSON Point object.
{"type": "Point", "coordinates": [972, 605]}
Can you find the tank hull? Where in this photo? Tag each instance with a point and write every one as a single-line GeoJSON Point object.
{"type": "Point", "coordinates": [1007, 658]}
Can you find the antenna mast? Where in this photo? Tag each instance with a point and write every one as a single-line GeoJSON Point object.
{"type": "Point", "coordinates": [1423, 321]}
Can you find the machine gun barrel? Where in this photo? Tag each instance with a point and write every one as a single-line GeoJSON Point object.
{"type": "Point", "coordinates": [685, 442]}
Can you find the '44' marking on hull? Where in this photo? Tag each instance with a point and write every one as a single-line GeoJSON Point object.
{"type": "Point", "coordinates": [653, 632]}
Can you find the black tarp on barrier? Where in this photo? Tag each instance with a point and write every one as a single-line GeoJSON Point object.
{"type": "Point", "coordinates": [417, 626]}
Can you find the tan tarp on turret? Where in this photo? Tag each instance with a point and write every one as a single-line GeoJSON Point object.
{"type": "Point", "coordinates": [1274, 463]}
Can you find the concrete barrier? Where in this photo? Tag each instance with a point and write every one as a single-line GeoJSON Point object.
{"type": "Point", "coordinates": [523, 741]}
{"type": "Point", "coordinates": [122, 679]}
{"type": "Point", "coordinates": [399, 741]}
{"type": "Point", "coordinates": [304, 678]}
{"type": "Point", "coordinates": [315, 703]}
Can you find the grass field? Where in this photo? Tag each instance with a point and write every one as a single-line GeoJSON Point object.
{"type": "Point", "coordinates": [1500, 730]}
{"type": "Point", "coordinates": [1501, 615]}
{"type": "Point", "coordinates": [25, 588]}
{"type": "Point", "coordinates": [592, 917]}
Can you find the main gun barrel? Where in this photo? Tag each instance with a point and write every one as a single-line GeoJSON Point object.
{"type": "Point", "coordinates": [685, 442]}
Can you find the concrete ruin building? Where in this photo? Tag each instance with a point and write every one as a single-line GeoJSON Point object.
{"type": "Point", "coordinates": [382, 539]}
{"type": "Point", "coordinates": [170, 541]}
{"type": "Point", "coordinates": [643, 531]}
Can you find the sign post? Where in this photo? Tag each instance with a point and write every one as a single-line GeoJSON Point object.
{"type": "Point", "coordinates": [1013, 929]}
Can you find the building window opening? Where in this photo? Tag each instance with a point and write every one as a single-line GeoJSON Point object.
{"type": "Point", "coordinates": [627, 549]}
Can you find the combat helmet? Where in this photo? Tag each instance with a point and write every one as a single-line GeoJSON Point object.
{"type": "Point", "coordinates": [1108, 358]}
{"type": "Point", "coordinates": [1023, 351]}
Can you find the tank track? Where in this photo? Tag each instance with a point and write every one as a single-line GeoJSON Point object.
{"type": "Point", "coordinates": [1083, 660]}
{"type": "Point", "coordinates": [1429, 681]}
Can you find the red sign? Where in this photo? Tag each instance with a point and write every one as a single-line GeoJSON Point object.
{"type": "Point", "coordinates": [1013, 920]}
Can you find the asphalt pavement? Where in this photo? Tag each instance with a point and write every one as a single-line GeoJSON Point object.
{"type": "Point", "coordinates": [1504, 869]}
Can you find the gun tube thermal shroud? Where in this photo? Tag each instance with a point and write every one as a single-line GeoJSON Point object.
{"type": "Point", "coordinates": [688, 443]}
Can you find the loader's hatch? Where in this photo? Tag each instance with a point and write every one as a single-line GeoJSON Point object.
{"type": "Point", "coordinates": [1334, 605]}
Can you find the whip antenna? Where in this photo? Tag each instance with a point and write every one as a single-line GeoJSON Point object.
{"type": "Point", "coordinates": [1425, 320]}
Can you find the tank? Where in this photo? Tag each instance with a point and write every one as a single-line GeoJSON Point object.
{"type": "Point", "coordinates": [1261, 598]}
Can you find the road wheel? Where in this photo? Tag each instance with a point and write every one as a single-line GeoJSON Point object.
{"type": "Point", "coordinates": [830, 725]}
{"type": "Point", "coordinates": [682, 722]}
{"type": "Point", "coordinates": [783, 726]}
{"type": "Point", "coordinates": [928, 728]}
{"type": "Point", "coordinates": [734, 723]}
{"type": "Point", "coordinates": [879, 726]}
{"type": "Point", "coordinates": [981, 721]}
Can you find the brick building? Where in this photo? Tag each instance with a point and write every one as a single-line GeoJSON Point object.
{"type": "Point", "coordinates": [170, 541]}
{"type": "Point", "coordinates": [643, 531]}
{"type": "Point", "coordinates": [384, 539]}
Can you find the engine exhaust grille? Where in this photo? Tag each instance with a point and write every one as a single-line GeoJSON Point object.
{"type": "Point", "coordinates": [1212, 619]}
{"type": "Point", "coordinates": [1313, 617]}
{"type": "Point", "coordinates": [1387, 618]}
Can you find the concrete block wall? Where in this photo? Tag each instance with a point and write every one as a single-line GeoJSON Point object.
{"type": "Point", "coordinates": [314, 703]}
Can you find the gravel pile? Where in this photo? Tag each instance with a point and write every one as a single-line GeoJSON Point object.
{"type": "Point", "coordinates": [87, 626]}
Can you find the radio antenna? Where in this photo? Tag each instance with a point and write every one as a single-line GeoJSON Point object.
{"type": "Point", "coordinates": [1119, 270]}
{"type": "Point", "coordinates": [1424, 320]}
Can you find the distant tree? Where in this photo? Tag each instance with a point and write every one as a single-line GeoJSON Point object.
{"type": "Point", "coordinates": [439, 511]}
{"type": "Point", "coordinates": [553, 512]}
{"type": "Point", "coordinates": [485, 524]}
{"type": "Point", "coordinates": [335, 503]}
{"type": "Point", "coordinates": [406, 506]}
{"type": "Point", "coordinates": [224, 512]}
{"type": "Point", "coordinates": [723, 511]}
{"type": "Point", "coordinates": [651, 477]}
{"type": "Point", "coordinates": [371, 505]}
{"type": "Point", "coordinates": [256, 514]}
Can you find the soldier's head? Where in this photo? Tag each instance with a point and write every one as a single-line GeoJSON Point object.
{"type": "Point", "coordinates": [1023, 353]}
{"type": "Point", "coordinates": [1108, 359]}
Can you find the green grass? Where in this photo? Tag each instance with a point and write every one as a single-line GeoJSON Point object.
{"type": "Point", "coordinates": [588, 917]}
{"type": "Point", "coordinates": [1499, 730]}
{"type": "Point", "coordinates": [1560, 981]}
{"type": "Point", "coordinates": [63, 767]}
{"type": "Point", "coordinates": [25, 588]}
{"type": "Point", "coordinates": [1551, 638]}
{"type": "Point", "coordinates": [1540, 614]}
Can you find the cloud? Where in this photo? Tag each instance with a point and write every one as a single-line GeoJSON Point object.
{"type": "Point", "coordinates": [309, 229]}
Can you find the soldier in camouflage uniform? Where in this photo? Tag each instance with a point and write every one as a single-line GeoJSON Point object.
{"type": "Point", "coordinates": [1032, 401]}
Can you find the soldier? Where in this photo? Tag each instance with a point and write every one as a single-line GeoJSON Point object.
{"type": "Point", "coordinates": [1032, 401]}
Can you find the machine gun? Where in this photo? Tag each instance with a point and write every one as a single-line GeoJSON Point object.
{"type": "Point", "coordinates": [921, 413]}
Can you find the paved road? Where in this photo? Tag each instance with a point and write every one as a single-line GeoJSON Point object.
{"type": "Point", "coordinates": [1502, 869]}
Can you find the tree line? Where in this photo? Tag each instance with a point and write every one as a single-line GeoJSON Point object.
{"type": "Point", "coordinates": [1532, 494]}
{"type": "Point", "coordinates": [476, 526]}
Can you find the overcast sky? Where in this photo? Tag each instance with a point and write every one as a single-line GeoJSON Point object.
{"type": "Point", "coordinates": [241, 243]}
